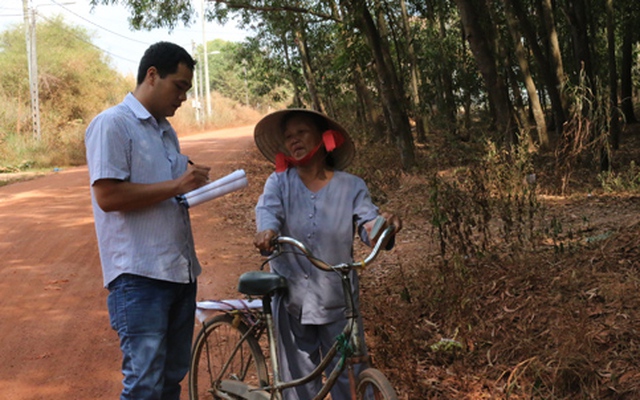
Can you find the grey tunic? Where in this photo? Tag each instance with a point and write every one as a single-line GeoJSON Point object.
{"type": "Point", "coordinates": [325, 221]}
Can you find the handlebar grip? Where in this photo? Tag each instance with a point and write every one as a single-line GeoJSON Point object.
{"type": "Point", "coordinates": [376, 229]}
{"type": "Point", "coordinates": [392, 240]}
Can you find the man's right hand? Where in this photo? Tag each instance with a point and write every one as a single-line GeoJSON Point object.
{"type": "Point", "coordinates": [118, 195]}
{"type": "Point", "coordinates": [194, 177]}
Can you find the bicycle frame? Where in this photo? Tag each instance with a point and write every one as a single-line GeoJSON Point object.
{"type": "Point", "coordinates": [264, 285]}
{"type": "Point", "coordinates": [350, 331]}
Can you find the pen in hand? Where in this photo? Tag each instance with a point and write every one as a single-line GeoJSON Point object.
{"type": "Point", "coordinates": [192, 163]}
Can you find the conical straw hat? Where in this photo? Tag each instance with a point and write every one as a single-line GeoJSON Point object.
{"type": "Point", "coordinates": [269, 137]}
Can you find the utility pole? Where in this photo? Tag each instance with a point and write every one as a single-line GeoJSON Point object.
{"type": "Point", "coordinates": [246, 86]}
{"type": "Point", "coordinates": [205, 51]}
{"type": "Point", "coordinates": [32, 59]}
{"type": "Point", "coordinates": [203, 89]}
{"type": "Point", "coordinates": [196, 88]}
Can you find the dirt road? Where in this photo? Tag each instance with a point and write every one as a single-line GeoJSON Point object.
{"type": "Point", "coordinates": [56, 343]}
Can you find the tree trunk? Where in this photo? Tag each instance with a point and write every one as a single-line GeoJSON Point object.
{"type": "Point", "coordinates": [534, 101]}
{"type": "Point", "coordinates": [390, 93]}
{"type": "Point", "coordinates": [371, 115]}
{"type": "Point", "coordinates": [626, 82]}
{"type": "Point", "coordinates": [555, 56]}
{"type": "Point", "coordinates": [614, 119]}
{"type": "Point", "coordinates": [297, 100]}
{"type": "Point", "coordinates": [487, 65]}
{"type": "Point", "coordinates": [448, 96]}
{"type": "Point", "coordinates": [550, 78]}
{"type": "Point", "coordinates": [307, 69]}
{"type": "Point", "coordinates": [418, 116]}
{"type": "Point", "coordinates": [383, 33]}
{"type": "Point", "coordinates": [576, 11]}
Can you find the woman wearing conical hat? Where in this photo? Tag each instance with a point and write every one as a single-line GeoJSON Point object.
{"type": "Point", "coordinates": [309, 197]}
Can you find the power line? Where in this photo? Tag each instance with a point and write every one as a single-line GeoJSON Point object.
{"type": "Point", "coordinates": [17, 11]}
{"type": "Point", "coordinates": [110, 31]}
{"type": "Point", "coordinates": [12, 9]}
{"type": "Point", "coordinates": [55, 3]}
{"type": "Point", "coordinates": [90, 43]}
{"type": "Point", "coordinates": [98, 26]}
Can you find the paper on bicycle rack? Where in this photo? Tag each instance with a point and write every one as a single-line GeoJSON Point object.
{"type": "Point", "coordinates": [225, 185]}
{"type": "Point", "coordinates": [206, 306]}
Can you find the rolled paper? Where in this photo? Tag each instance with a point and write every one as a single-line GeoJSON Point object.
{"type": "Point", "coordinates": [218, 182]}
{"type": "Point", "coordinates": [214, 193]}
{"type": "Point", "coordinates": [227, 184]}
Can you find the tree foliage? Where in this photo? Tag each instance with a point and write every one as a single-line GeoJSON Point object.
{"type": "Point", "coordinates": [388, 68]}
{"type": "Point", "coordinates": [244, 72]}
{"type": "Point", "coordinates": [75, 78]}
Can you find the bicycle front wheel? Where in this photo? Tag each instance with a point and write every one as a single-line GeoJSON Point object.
{"type": "Point", "coordinates": [220, 353]}
{"type": "Point", "coordinates": [373, 385]}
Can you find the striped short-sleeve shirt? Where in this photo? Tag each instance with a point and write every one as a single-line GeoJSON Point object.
{"type": "Point", "coordinates": [126, 143]}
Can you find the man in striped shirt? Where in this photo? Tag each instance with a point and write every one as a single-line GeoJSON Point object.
{"type": "Point", "coordinates": [147, 253]}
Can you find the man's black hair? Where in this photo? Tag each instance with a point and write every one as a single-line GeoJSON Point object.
{"type": "Point", "coordinates": [166, 57]}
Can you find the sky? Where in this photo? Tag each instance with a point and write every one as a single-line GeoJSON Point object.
{"type": "Point", "coordinates": [109, 28]}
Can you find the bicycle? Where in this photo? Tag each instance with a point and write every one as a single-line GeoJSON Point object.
{"type": "Point", "coordinates": [227, 358]}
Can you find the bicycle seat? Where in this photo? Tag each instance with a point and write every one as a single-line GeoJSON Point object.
{"type": "Point", "coordinates": [260, 283]}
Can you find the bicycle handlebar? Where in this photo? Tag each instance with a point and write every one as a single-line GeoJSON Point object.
{"type": "Point", "coordinates": [382, 242]}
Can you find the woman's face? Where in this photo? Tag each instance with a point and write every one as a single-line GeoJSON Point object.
{"type": "Point", "coordinates": [301, 136]}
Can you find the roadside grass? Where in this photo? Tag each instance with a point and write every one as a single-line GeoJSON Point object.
{"type": "Point", "coordinates": [23, 157]}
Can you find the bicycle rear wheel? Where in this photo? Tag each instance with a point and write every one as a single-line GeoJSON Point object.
{"type": "Point", "coordinates": [214, 346]}
{"type": "Point", "coordinates": [373, 385]}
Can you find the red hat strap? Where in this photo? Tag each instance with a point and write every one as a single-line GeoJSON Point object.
{"type": "Point", "coordinates": [281, 162]}
{"type": "Point", "coordinates": [332, 139]}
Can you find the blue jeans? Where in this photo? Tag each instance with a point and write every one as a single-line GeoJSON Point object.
{"type": "Point", "coordinates": [154, 320]}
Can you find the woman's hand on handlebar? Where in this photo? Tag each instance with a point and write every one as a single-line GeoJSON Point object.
{"type": "Point", "coordinates": [264, 241]}
{"type": "Point", "coordinates": [378, 225]}
{"type": "Point", "coordinates": [392, 219]}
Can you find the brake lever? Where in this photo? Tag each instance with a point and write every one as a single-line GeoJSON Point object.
{"type": "Point", "coordinates": [270, 254]}
{"type": "Point", "coordinates": [265, 253]}
{"type": "Point", "coordinates": [276, 247]}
